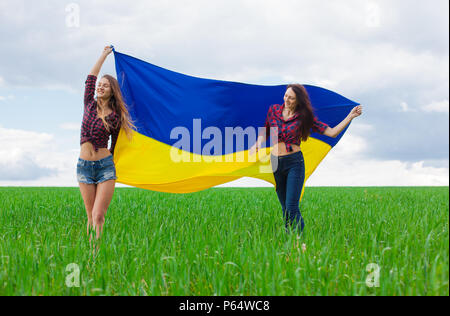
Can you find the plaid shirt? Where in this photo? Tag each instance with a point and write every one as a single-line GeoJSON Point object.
{"type": "Point", "coordinates": [288, 131]}
{"type": "Point", "coordinates": [93, 130]}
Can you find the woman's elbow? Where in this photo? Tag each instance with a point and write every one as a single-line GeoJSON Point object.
{"type": "Point", "coordinates": [331, 132]}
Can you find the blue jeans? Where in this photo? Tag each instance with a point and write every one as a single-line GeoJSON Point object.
{"type": "Point", "coordinates": [289, 174]}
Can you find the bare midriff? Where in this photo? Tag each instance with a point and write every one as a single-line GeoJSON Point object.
{"type": "Point", "coordinates": [88, 152]}
{"type": "Point", "coordinates": [279, 149]}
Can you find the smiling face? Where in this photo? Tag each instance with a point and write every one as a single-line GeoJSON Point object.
{"type": "Point", "coordinates": [104, 90]}
{"type": "Point", "coordinates": [290, 99]}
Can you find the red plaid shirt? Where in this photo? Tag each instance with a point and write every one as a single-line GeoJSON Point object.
{"type": "Point", "coordinates": [93, 130]}
{"type": "Point", "coordinates": [288, 131]}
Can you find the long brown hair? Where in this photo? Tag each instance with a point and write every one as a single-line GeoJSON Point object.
{"type": "Point", "coordinates": [304, 109]}
{"type": "Point", "coordinates": [117, 104]}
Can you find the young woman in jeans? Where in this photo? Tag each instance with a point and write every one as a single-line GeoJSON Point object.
{"type": "Point", "coordinates": [294, 121]}
{"type": "Point", "coordinates": [103, 117]}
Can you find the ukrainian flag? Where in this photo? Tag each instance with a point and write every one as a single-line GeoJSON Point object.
{"type": "Point", "coordinates": [186, 128]}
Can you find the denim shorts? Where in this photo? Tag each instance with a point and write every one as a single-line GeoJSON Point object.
{"type": "Point", "coordinates": [95, 172]}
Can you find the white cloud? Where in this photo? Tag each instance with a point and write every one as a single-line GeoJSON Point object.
{"type": "Point", "coordinates": [14, 141]}
{"type": "Point", "coordinates": [359, 128]}
{"type": "Point", "coordinates": [440, 107]}
{"type": "Point", "coordinates": [345, 166]}
{"type": "Point", "coordinates": [23, 168]}
{"type": "Point", "coordinates": [327, 43]}
{"type": "Point", "coordinates": [31, 158]}
{"type": "Point", "coordinates": [405, 107]}
{"type": "Point", "coordinates": [336, 172]}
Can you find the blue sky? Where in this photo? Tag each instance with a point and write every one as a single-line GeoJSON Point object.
{"type": "Point", "coordinates": [391, 56]}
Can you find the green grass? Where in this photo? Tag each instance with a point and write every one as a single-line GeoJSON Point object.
{"type": "Point", "coordinates": [227, 241]}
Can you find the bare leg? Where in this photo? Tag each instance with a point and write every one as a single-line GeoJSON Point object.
{"type": "Point", "coordinates": [105, 192]}
{"type": "Point", "coordinates": [88, 192]}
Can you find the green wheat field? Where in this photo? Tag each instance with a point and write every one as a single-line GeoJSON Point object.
{"type": "Point", "coordinates": [227, 241]}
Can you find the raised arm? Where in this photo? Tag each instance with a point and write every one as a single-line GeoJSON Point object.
{"type": "Point", "coordinates": [335, 131]}
{"type": "Point", "coordinates": [98, 65]}
{"type": "Point", "coordinates": [89, 90]}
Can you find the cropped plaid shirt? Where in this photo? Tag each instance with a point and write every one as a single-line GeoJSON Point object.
{"type": "Point", "coordinates": [92, 129]}
{"type": "Point", "coordinates": [288, 131]}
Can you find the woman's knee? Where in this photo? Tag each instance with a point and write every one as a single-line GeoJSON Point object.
{"type": "Point", "coordinates": [98, 218]}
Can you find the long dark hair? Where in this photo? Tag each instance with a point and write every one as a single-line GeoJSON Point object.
{"type": "Point", "coordinates": [304, 109]}
{"type": "Point", "coordinates": [118, 105]}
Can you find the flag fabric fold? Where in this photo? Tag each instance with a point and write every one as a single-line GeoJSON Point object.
{"type": "Point", "coordinates": [193, 133]}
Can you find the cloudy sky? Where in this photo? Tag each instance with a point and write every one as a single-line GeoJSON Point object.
{"type": "Point", "coordinates": [391, 56]}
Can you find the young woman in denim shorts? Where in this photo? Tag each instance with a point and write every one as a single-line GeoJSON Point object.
{"type": "Point", "coordinates": [294, 121]}
{"type": "Point", "coordinates": [103, 117]}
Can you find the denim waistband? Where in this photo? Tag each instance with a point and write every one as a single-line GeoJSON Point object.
{"type": "Point", "coordinates": [100, 162]}
{"type": "Point", "coordinates": [292, 156]}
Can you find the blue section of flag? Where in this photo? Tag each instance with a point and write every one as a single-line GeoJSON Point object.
{"type": "Point", "coordinates": [160, 100]}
